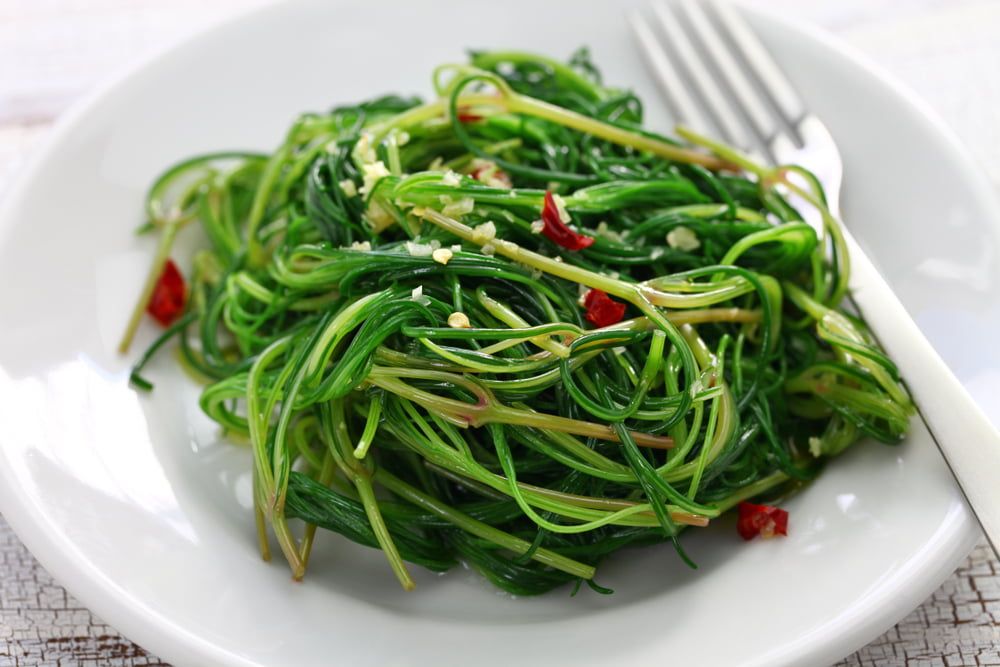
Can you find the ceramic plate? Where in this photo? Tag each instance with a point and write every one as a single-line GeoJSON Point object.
{"type": "Point", "coordinates": [138, 507]}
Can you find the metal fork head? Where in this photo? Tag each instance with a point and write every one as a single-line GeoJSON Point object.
{"type": "Point", "coordinates": [718, 78]}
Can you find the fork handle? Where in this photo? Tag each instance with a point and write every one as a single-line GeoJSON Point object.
{"type": "Point", "coordinates": [967, 439]}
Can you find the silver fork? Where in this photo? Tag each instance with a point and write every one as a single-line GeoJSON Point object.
{"type": "Point", "coordinates": [719, 79]}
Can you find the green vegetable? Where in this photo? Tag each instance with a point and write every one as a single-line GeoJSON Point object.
{"type": "Point", "coordinates": [377, 314]}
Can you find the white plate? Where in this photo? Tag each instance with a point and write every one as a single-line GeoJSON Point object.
{"type": "Point", "coordinates": [136, 506]}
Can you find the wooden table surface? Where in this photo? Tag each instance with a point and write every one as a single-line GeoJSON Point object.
{"type": "Point", "coordinates": [54, 51]}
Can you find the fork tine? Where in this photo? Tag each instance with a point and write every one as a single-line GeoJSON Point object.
{"type": "Point", "coordinates": [729, 124]}
{"type": "Point", "coordinates": [740, 86]}
{"type": "Point", "coordinates": [683, 106]}
{"type": "Point", "coordinates": [760, 62]}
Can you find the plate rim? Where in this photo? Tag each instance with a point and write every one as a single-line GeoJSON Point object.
{"type": "Point", "coordinates": [164, 637]}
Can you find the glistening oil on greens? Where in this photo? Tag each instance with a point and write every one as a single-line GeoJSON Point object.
{"type": "Point", "coordinates": [396, 311]}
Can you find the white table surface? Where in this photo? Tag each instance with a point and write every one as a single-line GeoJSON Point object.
{"type": "Point", "coordinates": [54, 51]}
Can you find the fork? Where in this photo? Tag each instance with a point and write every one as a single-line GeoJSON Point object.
{"type": "Point", "coordinates": [739, 90]}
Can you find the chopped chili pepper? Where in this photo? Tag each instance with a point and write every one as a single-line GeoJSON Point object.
{"type": "Point", "coordinates": [169, 295]}
{"type": "Point", "coordinates": [491, 174]}
{"type": "Point", "coordinates": [557, 231]}
{"type": "Point", "coordinates": [763, 520]}
{"type": "Point", "coordinates": [465, 116]}
{"type": "Point", "coordinates": [602, 310]}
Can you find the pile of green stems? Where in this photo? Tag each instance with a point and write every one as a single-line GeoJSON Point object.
{"type": "Point", "coordinates": [530, 444]}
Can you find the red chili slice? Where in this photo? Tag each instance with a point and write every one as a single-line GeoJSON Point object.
{"type": "Point", "coordinates": [602, 310]}
{"type": "Point", "coordinates": [169, 295]}
{"type": "Point", "coordinates": [557, 231]}
{"type": "Point", "coordinates": [465, 116]}
{"type": "Point", "coordinates": [485, 174]}
{"type": "Point", "coordinates": [763, 520]}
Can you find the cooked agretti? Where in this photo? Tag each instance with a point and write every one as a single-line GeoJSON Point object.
{"type": "Point", "coordinates": [510, 327]}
